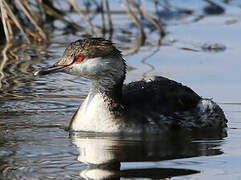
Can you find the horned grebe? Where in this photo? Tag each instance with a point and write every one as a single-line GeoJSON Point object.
{"type": "Point", "coordinates": [143, 106]}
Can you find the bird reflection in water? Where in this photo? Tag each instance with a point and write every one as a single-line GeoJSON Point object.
{"type": "Point", "coordinates": [108, 156]}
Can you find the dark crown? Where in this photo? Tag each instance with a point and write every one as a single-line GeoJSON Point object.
{"type": "Point", "coordinates": [92, 47]}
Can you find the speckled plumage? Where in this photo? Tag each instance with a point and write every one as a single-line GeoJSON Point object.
{"type": "Point", "coordinates": [144, 106]}
{"type": "Point", "coordinates": [166, 104]}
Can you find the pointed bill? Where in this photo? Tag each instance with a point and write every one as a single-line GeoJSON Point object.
{"type": "Point", "coordinates": [49, 70]}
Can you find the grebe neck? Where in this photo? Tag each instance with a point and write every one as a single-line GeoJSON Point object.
{"type": "Point", "coordinates": [109, 88]}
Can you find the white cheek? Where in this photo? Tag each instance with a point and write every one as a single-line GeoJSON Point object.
{"type": "Point", "coordinates": [96, 67]}
{"type": "Point", "coordinates": [92, 67]}
{"type": "Point", "coordinates": [75, 70]}
{"type": "Point", "coordinates": [88, 68]}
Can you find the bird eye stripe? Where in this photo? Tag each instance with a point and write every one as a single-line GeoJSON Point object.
{"type": "Point", "coordinates": [79, 59]}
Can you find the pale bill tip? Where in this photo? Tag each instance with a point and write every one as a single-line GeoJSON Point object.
{"type": "Point", "coordinates": [36, 73]}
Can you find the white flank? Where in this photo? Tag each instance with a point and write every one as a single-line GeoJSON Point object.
{"type": "Point", "coordinates": [206, 105]}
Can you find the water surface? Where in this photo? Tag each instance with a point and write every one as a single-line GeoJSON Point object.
{"type": "Point", "coordinates": [34, 111]}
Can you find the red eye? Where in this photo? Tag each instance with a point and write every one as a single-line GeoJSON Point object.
{"type": "Point", "coordinates": [79, 59]}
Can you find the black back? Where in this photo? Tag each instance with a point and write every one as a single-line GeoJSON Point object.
{"type": "Point", "coordinates": [160, 95]}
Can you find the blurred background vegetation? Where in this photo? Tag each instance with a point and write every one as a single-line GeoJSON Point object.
{"type": "Point", "coordinates": [34, 20]}
{"type": "Point", "coordinates": [132, 23]}
{"type": "Point", "coordinates": [195, 42]}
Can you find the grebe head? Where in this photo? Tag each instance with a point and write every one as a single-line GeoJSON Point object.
{"type": "Point", "coordinates": [92, 58]}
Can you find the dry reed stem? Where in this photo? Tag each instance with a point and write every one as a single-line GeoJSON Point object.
{"type": "Point", "coordinates": [10, 29]}
{"type": "Point", "coordinates": [133, 10]}
{"type": "Point", "coordinates": [102, 16]}
{"type": "Point", "coordinates": [77, 9]}
{"type": "Point", "coordinates": [58, 16]}
{"type": "Point", "coordinates": [5, 21]}
{"type": "Point", "coordinates": [4, 60]}
{"type": "Point", "coordinates": [32, 20]}
{"type": "Point", "coordinates": [15, 20]}
{"type": "Point", "coordinates": [42, 14]}
{"type": "Point", "coordinates": [149, 18]}
{"type": "Point", "coordinates": [134, 18]}
{"type": "Point", "coordinates": [109, 18]}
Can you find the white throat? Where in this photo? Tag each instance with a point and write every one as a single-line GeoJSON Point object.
{"type": "Point", "coordinates": [94, 115]}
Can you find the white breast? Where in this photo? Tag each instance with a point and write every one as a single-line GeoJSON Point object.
{"type": "Point", "coordinates": [94, 115]}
